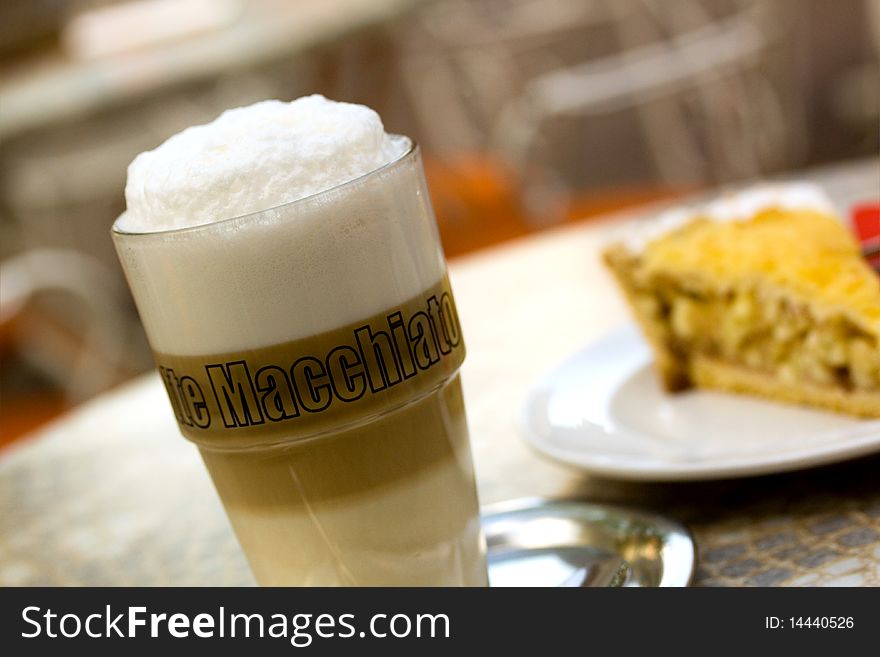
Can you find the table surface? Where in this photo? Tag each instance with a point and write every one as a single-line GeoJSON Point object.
{"type": "Point", "coordinates": [111, 495]}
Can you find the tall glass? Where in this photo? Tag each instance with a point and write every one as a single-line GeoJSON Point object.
{"type": "Point", "coordinates": [312, 352]}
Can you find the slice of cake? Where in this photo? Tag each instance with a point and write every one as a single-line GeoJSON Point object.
{"type": "Point", "coordinates": [763, 292]}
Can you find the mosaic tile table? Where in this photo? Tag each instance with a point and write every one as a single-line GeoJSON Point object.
{"type": "Point", "coordinates": [111, 495]}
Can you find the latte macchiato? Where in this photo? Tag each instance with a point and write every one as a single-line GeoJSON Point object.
{"type": "Point", "coordinates": [287, 270]}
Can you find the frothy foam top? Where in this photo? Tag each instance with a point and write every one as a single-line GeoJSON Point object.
{"type": "Point", "coordinates": [254, 158]}
{"type": "Point", "coordinates": [289, 272]}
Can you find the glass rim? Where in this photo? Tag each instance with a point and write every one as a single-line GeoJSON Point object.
{"type": "Point", "coordinates": [411, 151]}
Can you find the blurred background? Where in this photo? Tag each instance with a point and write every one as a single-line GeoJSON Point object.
{"type": "Point", "coordinates": [531, 113]}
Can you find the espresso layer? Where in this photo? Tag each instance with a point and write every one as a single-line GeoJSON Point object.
{"type": "Point", "coordinates": [390, 501]}
{"type": "Point", "coordinates": [307, 387]}
{"type": "Point", "coordinates": [399, 445]}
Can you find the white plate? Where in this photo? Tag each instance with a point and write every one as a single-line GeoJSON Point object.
{"type": "Point", "coordinates": [603, 410]}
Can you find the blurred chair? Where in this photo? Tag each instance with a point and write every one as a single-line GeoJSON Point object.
{"type": "Point", "coordinates": [80, 360]}
{"type": "Point", "coordinates": [697, 77]}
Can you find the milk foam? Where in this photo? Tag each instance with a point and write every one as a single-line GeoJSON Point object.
{"type": "Point", "coordinates": [292, 271]}
{"type": "Point", "coordinates": [253, 158]}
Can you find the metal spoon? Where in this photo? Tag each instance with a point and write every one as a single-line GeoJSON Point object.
{"type": "Point", "coordinates": [605, 571]}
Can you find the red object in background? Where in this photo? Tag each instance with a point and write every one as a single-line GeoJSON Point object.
{"type": "Point", "coordinates": [866, 222]}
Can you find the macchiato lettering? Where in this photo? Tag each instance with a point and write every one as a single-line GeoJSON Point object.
{"type": "Point", "coordinates": [424, 342]}
{"type": "Point", "coordinates": [278, 400]}
{"type": "Point", "coordinates": [170, 383]}
{"type": "Point", "coordinates": [312, 384]}
{"type": "Point", "coordinates": [359, 367]}
{"type": "Point", "coordinates": [380, 357]}
{"type": "Point", "coordinates": [435, 314]}
{"type": "Point", "coordinates": [187, 399]}
{"type": "Point", "coordinates": [194, 399]}
{"type": "Point", "coordinates": [235, 394]}
{"type": "Point", "coordinates": [449, 320]}
{"type": "Point", "coordinates": [346, 373]}
{"type": "Point", "coordinates": [402, 344]}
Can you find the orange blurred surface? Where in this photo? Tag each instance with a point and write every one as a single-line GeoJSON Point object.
{"type": "Point", "coordinates": [24, 413]}
{"type": "Point", "coordinates": [478, 203]}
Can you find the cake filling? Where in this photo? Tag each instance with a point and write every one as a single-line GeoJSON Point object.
{"type": "Point", "coordinates": [765, 333]}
